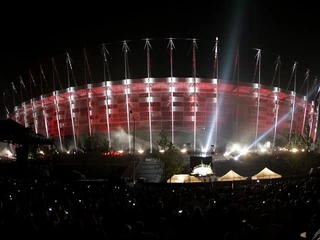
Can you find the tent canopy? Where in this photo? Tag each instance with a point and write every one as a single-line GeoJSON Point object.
{"type": "Point", "coordinates": [182, 178]}
{"type": "Point", "coordinates": [231, 176]}
{"type": "Point", "coordinates": [266, 173]}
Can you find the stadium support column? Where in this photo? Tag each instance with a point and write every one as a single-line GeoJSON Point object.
{"type": "Point", "coordinates": [216, 74]}
{"type": "Point", "coordinates": [14, 91]}
{"type": "Point", "coordinates": [16, 113]}
{"type": "Point", "coordinates": [293, 103]}
{"type": "Point", "coordinates": [107, 91]}
{"type": "Point", "coordinates": [6, 110]}
{"type": "Point", "coordinates": [314, 137]}
{"type": "Point", "coordinates": [276, 101]}
{"type": "Point", "coordinates": [311, 117]}
{"type": "Point", "coordinates": [314, 115]}
{"type": "Point", "coordinates": [312, 105]}
{"type": "Point", "coordinates": [305, 101]}
{"type": "Point", "coordinates": [237, 68]}
{"type": "Point", "coordinates": [258, 64]}
{"type": "Point", "coordinates": [89, 95]}
{"type": "Point", "coordinates": [56, 102]}
{"type": "Point", "coordinates": [33, 107]}
{"type": "Point", "coordinates": [171, 47]}
{"type": "Point", "coordinates": [125, 50]}
{"type": "Point", "coordinates": [305, 104]}
{"type": "Point", "coordinates": [25, 119]}
{"type": "Point", "coordinates": [34, 116]}
{"type": "Point", "coordinates": [276, 114]}
{"type": "Point", "coordinates": [148, 47]}
{"type": "Point", "coordinates": [71, 101]}
{"type": "Point", "coordinates": [194, 74]}
{"type": "Point", "coordinates": [88, 91]}
{"type": "Point", "coordinates": [44, 112]}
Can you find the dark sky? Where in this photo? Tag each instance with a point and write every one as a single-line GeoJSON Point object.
{"type": "Point", "coordinates": [32, 34]}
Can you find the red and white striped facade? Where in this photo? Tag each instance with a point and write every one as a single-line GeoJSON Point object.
{"type": "Point", "coordinates": [167, 104]}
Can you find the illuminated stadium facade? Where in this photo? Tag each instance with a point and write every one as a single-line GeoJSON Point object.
{"type": "Point", "coordinates": [198, 111]}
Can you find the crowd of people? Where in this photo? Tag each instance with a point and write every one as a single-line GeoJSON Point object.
{"type": "Point", "coordinates": [101, 210]}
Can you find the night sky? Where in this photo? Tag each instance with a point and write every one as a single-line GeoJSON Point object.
{"type": "Point", "coordinates": [33, 34]}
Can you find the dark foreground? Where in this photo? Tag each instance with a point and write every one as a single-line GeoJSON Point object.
{"type": "Point", "coordinates": [100, 210]}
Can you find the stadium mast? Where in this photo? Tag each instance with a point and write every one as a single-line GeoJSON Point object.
{"type": "Point", "coordinates": [106, 68]}
{"type": "Point", "coordinates": [293, 94]}
{"type": "Point", "coordinates": [194, 75]}
{"type": "Point", "coordinates": [56, 102]}
{"type": "Point", "coordinates": [6, 110]}
{"type": "Point", "coordinates": [44, 112]}
{"type": "Point", "coordinates": [258, 65]}
{"type": "Point", "coordinates": [71, 98]}
{"type": "Point", "coordinates": [14, 101]}
{"type": "Point", "coordinates": [33, 107]}
{"type": "Point", "coordinates": [148, 47]}
{"type": "Point", "coordinates": [171, 47]}
{"type": "Point", "coordinates": [276, 99]}
{"type": "Point", "coordinates": [23, 103]}
{"type": "Point", "coordinates": [305, 103]}
{"type": "Point", "coordinates": [314, 116]}
{"type": "Point", "coordinates": [314, 137]}
{"type": "Point", "coordinates": [88, 90]}
{"type": "Point", "coordinates": [311, 117]}
{"type": "Point", "coordinates": [216, 75]}
{"type": "Point", "coordinates": [125, 50]}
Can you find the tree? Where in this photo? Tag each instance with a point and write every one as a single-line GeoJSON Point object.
{"type": "Point", "coordinates": [104, 145]}
{"type": "Point", "coordinates": [95, 143]}
{"type": "Point", "coordinates": [89, 144]}
{"type": "Point", "coordinates": [170, 157]}
{"type": "Point", "coordinates": [299, 161]}
{"type": "Point", "coordinates": [306, 140]}
{"type": "Point", "coordinates": [301, 141]}
{"type": "Point", "coordinates": [293, 140]}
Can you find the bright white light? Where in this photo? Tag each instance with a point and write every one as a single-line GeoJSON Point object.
{"type": "Point", "coordinates": [202, 170]}
{"type": "Point", "coordinates": [266, 147]}
{"type": "Point", "coordinates": [140, 151]}
{"type": "Point", "coordinates": [235, 148]}
{"type": "Point", "coordinates": [162, 151]}
{"type": "Point", "coordinates": [6, 152]}
{"type": "Point", "coordinates": [120, 151]}
{"type": "Point", "coordinates": [244, 151]}
{"type": "Point", "coordinates": [294, 150]}
{"type": "Point", "coordinates": [183, 150]}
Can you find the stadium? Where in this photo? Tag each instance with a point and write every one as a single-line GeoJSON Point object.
{"type": "Point", "coordinates": [196, 112]}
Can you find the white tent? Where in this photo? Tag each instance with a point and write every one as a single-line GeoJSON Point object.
{"type": "Point", "coordinates": [182, 178]}
{"type": "Point", "coordinates": [231, 176]}
{"type": "Point", "coordinates": [266, 173]}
